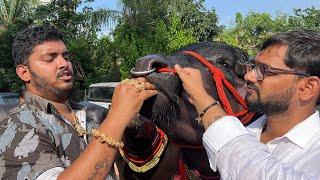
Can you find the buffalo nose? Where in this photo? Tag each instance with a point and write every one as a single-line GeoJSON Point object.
{"type": "Point", "coordinates": [148, 64]}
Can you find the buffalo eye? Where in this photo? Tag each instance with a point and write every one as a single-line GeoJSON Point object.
{"type": "Point", "coordinates": [223, 63]}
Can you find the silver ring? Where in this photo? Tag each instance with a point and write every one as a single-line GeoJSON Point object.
{"type": "Point", "coordinates": [142, 73]}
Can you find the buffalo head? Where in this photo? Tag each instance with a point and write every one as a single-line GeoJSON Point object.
{"type": "Point", "coordinates": [170, 109]}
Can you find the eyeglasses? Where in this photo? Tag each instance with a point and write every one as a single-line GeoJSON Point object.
{"type": "Point", "coordinates": [262, 71]}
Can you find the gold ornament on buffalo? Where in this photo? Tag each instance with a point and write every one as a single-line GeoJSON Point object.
{"type": "Point", "coordinates": [139, 85]}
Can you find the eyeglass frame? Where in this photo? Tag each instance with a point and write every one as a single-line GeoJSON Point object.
{"type": "Point", "coordinates": [261, 70]}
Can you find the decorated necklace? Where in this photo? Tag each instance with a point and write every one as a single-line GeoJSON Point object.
{"type": "Point", "coordinates": [76, 124]}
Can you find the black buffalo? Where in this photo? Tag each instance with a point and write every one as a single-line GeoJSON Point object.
{"type": "Point", "coordinates": [171, 111]}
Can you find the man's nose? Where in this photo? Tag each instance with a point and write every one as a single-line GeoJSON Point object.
{"type": "Point", "coordinates": [62, 62]}
{"type": "Point", "coordinates": [250, 76]}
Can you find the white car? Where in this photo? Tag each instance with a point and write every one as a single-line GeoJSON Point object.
{"type": "Point", "coordinates": [101, 93]}
{"type": "Point", "coordinates": [7, 102]}
{"type": "Point", "coordinates": [9, 98]}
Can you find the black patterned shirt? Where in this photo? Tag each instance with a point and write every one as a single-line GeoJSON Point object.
{"type": "Point", "coordinates": [35, 138]}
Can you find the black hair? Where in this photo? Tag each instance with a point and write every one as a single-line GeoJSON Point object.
{"type": "Point", "coordinates": [303, 51]}
{"type": "Point", "coordinates": [25, 41]}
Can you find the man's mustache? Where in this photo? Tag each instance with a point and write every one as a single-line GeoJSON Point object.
{"type": "Point", "coordinates": [64, 72]}
{"type": "Point", "coordinates": [252, 86]}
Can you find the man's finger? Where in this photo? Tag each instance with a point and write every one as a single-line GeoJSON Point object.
{"type": "Point", "coordinates": [182, 75]}
{"type": "Point", "coordinates": [146, 94]}
{"type": "Point", "coordinates": [149, 86]}
{"type": "Point", "coordinates": [189, 70]}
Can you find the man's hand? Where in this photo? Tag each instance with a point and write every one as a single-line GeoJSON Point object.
{"type": "Point", "coordinates": [192, 83]}
{"type": "Point", "coordinates": [128, 99]}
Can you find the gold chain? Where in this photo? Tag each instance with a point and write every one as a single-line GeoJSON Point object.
{"type": "Point", "coordinates": [76, 124]}
{"type": "Point", "coordinates": [95, 133]}
{"type": "Point", "coordinates": [81, 131]}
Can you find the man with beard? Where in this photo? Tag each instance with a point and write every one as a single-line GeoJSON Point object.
{"type": "Point", "coordinates": [50, 137]}
{"type": "Point", "coordinates": [284, 85]}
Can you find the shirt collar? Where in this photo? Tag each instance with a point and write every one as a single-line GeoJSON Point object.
{"type": "Point", "coordinates": [300, 134]}
{"type": "Point", "coordinates": [37, 101]}
{"type": "Point", "coordinates": [257, 126]}
{"type": "Point", "coordinates": [45, 105]}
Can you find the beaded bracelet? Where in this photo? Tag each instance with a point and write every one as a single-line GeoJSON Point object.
{"type": "Point", "coordinates": [103, 138]}
{"type": "Point", "coordinates": [199, 118]}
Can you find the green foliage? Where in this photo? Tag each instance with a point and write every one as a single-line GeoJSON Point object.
{"type": "Point", "coordinates": [195, 16]}
{"type": "Point", "coordinates": [178, 36]}
{"type": "Point", "coordinates": [250, 31]}
{"type": "Point", "coordinates": [8, 78]}
{"type": "Point", "coordinates": [106, 59]}
{"type": "Point", "coordinates": [307, 19]}
{"type": "Point", "coordinates": [154, 26]}
{"type": "Point", "coordinates": [12, 11]}
{"type": "Point", "coordinates": [14, 16]}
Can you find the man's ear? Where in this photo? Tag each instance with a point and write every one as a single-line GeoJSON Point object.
{"type": "Point", "coordinates": [310, 89]}
{"type": "Point", "coordinates": [23, 72]}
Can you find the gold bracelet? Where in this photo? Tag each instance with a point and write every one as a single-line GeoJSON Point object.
{"type": "Point", "coordinates": [103, 138]}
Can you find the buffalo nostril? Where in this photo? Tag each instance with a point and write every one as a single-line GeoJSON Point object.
{"type": "Point", "coordinates": [148, 64]}
{"type": "Point", "coordinates": [157, 64]}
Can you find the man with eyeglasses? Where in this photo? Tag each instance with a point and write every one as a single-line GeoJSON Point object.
{"type": "Point", "coordinates": [284, 85]}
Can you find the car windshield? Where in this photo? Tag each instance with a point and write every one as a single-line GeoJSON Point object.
{"type": "Point", "coordinates": [100, 93]}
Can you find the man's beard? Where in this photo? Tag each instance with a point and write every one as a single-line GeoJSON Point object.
{"type": "Point", "coordinates": [274, 103]}
{"type": "Point", "coordinates": [49, 91]}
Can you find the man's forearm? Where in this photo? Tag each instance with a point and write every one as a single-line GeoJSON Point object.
{"type": "Point", "coordinates": [212, 115]}
{"type": "Point", "coordinates": [97, 159]}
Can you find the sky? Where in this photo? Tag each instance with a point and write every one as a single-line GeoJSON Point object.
{"type": "Point", "coordinates": [227, 9]}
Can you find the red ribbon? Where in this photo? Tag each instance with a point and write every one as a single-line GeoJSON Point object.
{"type": "Point", "coordinates": [221, 82]}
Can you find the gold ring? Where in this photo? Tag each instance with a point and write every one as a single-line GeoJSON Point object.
{"type": "Point", "coordinates": [139, 85]}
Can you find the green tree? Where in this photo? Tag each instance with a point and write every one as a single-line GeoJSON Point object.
{"type": "Point", "coordinates": [153, 26]}
{"type": "Point", "coordinates": [107, 57]}
{"type": "Point", "coordinates": [249, 31]}
{"type": "Point", "coordinates": [308, 18]}
{"type": "Point", "coordinates": [12, 11]}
